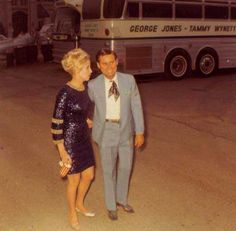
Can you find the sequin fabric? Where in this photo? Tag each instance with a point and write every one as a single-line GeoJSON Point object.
{"type": "Point", "coordinates": [69, 126]}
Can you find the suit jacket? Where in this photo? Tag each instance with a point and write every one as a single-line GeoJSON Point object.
{"type": "Point", "coordinates": [131, 112]}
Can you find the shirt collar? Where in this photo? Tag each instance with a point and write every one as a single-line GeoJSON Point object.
{"type": "Point", "coordinates": [109, 80]}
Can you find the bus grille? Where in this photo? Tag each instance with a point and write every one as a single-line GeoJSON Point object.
{"type": "Point", "coordinates": [138, 58]}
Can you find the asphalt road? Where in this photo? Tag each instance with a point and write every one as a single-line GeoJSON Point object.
{"type": "Point", "coordinates": [183, 179]}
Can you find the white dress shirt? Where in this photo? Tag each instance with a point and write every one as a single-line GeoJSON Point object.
{"type": "Point", "coordinates": [112, 106]}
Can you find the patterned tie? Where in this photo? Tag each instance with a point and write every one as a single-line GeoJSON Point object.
{"type": "Point", "coordinates": [114, 91]}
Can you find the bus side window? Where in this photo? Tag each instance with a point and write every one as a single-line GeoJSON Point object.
{"type": "Point", "coordinates": [188, 11]}
{"type": "Point", "coordinates": [217, 12]}
{"type": "Point", "coordinates": [233, 12]}
{"type": "Point", "coordinates": [157, 10]}
{"type": "Point", "coordinates": [132, 10]}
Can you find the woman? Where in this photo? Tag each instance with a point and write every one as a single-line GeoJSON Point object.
{"type": "Point", "coordinates": [70, 130]}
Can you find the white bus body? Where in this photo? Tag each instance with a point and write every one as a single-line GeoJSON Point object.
{"type": "Point", "coordinates": [153, 36]}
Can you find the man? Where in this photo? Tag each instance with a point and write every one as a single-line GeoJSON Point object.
{"type": "Point", "coordinates": [118, 115]}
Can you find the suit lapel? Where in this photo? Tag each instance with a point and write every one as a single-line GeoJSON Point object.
{"type": "Point", "coordinates": [102, 96]}
{"type": "Point", "coordinates": [122, 89]}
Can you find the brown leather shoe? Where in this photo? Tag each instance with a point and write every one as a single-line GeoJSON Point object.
{"type": "Point", "coordinates": [112, 215]}
{"type": "Point", "coordinates": [127, 208]}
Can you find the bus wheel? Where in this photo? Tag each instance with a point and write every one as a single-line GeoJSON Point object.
{"type": "Point", "coordinates": [177, 65]}
{"type": "Point", "coordinates": [207, 63]}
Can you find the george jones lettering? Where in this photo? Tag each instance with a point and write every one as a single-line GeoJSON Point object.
{"type": "Point", "coordinates": [143, 28]}
{"type": "Point", "coordinates": [174, 28]}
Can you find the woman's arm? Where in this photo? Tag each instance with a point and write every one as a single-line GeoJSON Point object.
{"type": "Point", "coordinates": [58, 125]}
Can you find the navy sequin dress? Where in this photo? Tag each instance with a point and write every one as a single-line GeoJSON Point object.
{"type": "Point", "coordinates": [69, 126]}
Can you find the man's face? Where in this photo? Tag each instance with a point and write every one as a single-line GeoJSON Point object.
{"type": "Point", "coordinates": [108, 65]}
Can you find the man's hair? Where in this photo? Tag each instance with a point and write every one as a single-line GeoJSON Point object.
{"type": "Point", "coordinates": [105, 51]}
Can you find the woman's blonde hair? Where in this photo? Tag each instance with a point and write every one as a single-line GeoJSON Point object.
{"type": "Point", "coordinates": [74, 59]}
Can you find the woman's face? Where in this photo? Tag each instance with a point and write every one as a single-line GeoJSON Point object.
{"type": "Point", "coordinates": [86, 71]}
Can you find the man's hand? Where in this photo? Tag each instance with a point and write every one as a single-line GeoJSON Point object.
{"type": "Point", "coordinates": [139, 140]}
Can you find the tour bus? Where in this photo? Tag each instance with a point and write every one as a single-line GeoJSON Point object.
{"type": "Point", "coordinates": [153, 36]}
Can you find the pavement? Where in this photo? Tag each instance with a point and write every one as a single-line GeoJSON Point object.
{"type": "Point", "coordinates": [182, 180]}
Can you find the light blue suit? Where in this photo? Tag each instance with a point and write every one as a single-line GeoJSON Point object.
{"type": "Point", "coordinates": [116, 140]}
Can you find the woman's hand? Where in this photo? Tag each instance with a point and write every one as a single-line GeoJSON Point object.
{"type": "Point", "coordinates": [65, 157]}
{"type": "Point", "coordinates": [66, 161]}
{"type": "Point", "coordinates": [90, 123]}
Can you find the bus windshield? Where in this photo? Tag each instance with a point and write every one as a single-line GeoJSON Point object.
{"type": "Point", "coordinates": [67, 21]}
{"type": "Point", "coordinates": [91, 9]}
{"type": "Point", "coordinates": [113, 8]}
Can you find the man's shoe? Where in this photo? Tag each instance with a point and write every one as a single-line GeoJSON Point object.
{"type": "Point", "coordinates": [112, 215]}
{"type": "Point", "coordinates": [127, 208]}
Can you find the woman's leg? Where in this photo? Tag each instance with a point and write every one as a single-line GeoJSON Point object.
{"type": "Point", "coordinates": [72, 186]}
{"type": "Point", "coordinates": [86, 177]}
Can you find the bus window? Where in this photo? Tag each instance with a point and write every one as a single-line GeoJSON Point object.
{"type": "Point", "coordinates": [216, 12]}
{"type": "Point", "coordinates": [188, 11]}
{"type": "Point", "coordinates": [233, 12]}
{"type": "Point", "coordinates": [132, 10]}
{"type": "Point", "coordinates": [91, 9]}
{"type": "Point", "coordinates": [113, 8]}
{"type": "Point", "coordinates": [157, 10]}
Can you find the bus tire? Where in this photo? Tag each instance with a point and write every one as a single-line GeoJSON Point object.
{"type": "Point", "coordinates": [207, 62]}
{"type": "Point", "coordinates": [177, 65]}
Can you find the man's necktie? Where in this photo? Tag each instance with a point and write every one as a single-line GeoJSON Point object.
{"type": "Point", "coordinates": [114, 91]}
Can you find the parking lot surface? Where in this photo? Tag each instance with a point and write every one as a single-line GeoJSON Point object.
{"type": "Point", "coordinates": [183, 179]}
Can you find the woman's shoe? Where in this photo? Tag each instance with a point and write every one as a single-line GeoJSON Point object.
{"type": "Point", "coordinates": [75, 226]}
{"type": "Point", "coordinates": [87, 214]}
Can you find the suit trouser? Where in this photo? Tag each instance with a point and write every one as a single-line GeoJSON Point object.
{"type": "Point", "coordinates": [116, 176]}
